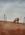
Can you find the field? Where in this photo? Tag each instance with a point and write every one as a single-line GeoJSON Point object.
{"type": "Point", "coordinates": [10, 28]}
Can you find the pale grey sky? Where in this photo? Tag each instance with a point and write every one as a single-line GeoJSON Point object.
{"type": "Point", "coordinates": [12, 9]}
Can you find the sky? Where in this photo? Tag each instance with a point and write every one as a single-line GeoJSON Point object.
{"type": "Point", "coordinates": [12, 9]}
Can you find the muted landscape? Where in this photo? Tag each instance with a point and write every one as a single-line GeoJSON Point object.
{"type": "Point", "coordinates": [10, 28]}
{"type": "Point", "coordinates": [12, 10]}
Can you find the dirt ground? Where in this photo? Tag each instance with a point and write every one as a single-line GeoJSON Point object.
{"type": "Point", "coordinates": [7, 28]}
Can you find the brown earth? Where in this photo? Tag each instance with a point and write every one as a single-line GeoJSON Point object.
{"type": "Point", "coordinates": [10, 28]}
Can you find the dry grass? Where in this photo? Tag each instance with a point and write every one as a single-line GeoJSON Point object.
{"type": "Point", "coordinates": [8, 28]}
